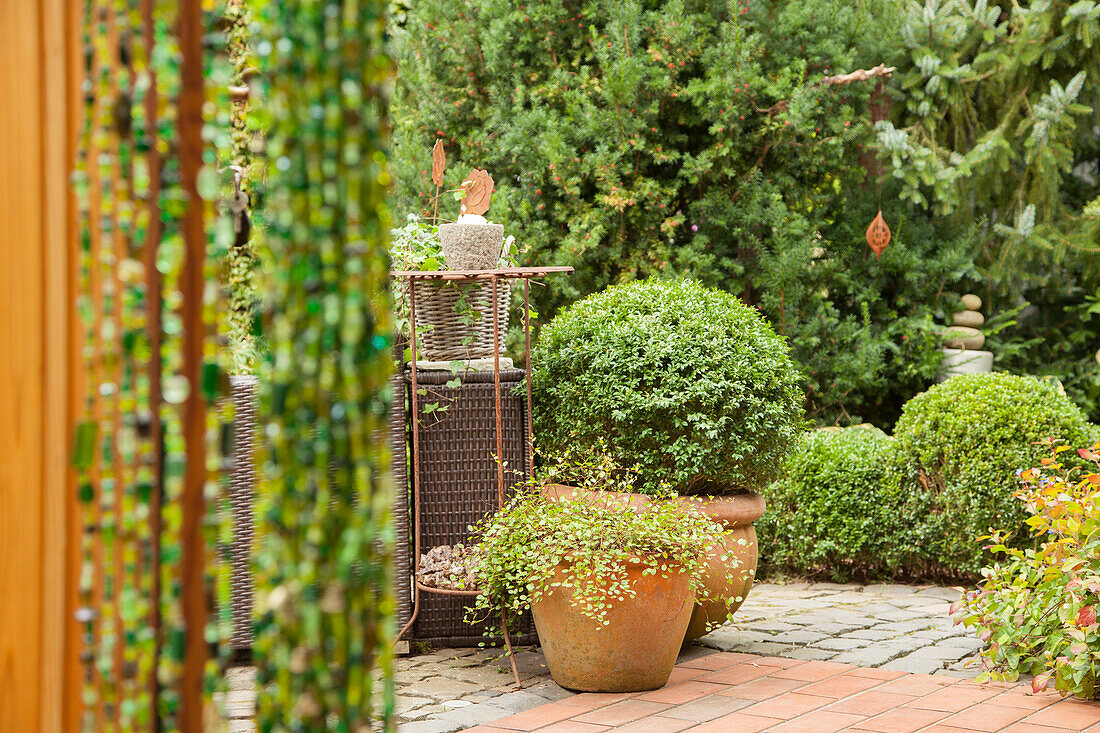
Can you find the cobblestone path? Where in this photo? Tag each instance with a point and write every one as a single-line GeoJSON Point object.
{"type": "Point", "coordinates": [900, 628]}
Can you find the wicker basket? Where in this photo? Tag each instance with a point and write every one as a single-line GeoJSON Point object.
{"type": "Point", "coordinates": [443, 326]}
{"type": "Point", "coordinates": [458, 487]}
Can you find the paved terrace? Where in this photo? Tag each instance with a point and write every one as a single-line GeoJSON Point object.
{"type": "Point", "coordinates": [812, 657]}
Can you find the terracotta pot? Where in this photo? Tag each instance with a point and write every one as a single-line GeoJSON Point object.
{"type": "Point", "coordinates": [637, 648]}
{"type": "Point", "coordinates": [736, 513]}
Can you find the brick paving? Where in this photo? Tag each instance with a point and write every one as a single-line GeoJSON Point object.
{"type": "Point", "coordinates": [800, 657]}
{"type": "Point", "coordinates": [733, 691]}
{"type": "Point", "coordinates": [901, 628]}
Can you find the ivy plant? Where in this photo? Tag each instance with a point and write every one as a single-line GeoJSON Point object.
{"type": "Point", "coordinates": [592, 540]}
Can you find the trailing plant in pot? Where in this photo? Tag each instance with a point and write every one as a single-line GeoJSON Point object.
{"type": "Point", "coordinates": [610, 587]}
{"type": "Point", "coordinates": [688, 384]}
{"type": "Point", "coordinates": [453, 320]}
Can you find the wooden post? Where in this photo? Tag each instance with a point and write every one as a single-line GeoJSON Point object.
{"type": "Point", "coordinates": [38, 126]}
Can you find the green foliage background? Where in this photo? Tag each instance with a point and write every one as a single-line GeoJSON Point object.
{"type": "Point", "coordinates": [325, 606]}
{"type": "Point", "coordinates": [695, 138]}
{"type": "Point", "coordinates": [664, 138]}
{"type": "Point", "coordinates": [994, 120]}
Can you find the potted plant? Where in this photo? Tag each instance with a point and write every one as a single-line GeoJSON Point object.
{"type": "Point", "coordinates": [691, 386]}
{"type": "Point", "coordinates": [611, 587]}
{"type": "Point", "coordinates": [453, 320]}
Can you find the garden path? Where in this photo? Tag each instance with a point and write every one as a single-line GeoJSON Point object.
{"type": "Point", "coordinates": [899, 628]}
{"type": "Point", "coordinates": [800, 657]}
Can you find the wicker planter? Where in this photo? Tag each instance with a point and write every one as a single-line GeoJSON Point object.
{"type": "Point", "coordinates": [455, 321]}
{"type": "Point", "coordinates": [458, 485]}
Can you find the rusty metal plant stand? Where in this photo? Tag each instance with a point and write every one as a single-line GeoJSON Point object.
{"type": "Point", "coordinates": [494, 277]}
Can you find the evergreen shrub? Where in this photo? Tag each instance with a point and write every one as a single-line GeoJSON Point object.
{"type": "Point", "coordinates": [958, 449]}
{"type": "Point", "coordinates": [833, 514]}
{"type": "Point", "coordinates": [696, 138]}
{"type": "Point", "coordinates": [683, 381]}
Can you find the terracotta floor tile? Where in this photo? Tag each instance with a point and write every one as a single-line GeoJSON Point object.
{"type": "Point", "coordinates": [871, 702]}
{"type": "Point", "coordinates": [843, 685]}
{"type": "Point", "coordinates": [589, 700]}
{"type": "Point", "coordinates": [787, 706]}
{"type": "Point", "coordinates": [820, 721]}
{"type": "Point", "coordinates": [902, 720]}
{"type": "Point", "coordinates": [738, 674]}
{"type": "Point", "coordinates": [1026, 727]}
{"type": "Point", "coordinates": [537, 717]}
{"type": "Point", "coordinates": [622, 712]}
{"type": "Point", "coordinates": [812, 671]}
{"type": "Point", "coordinates": [655, 724]}
{"type": "Point", "coordinates": [736, 722]}
{"type": "Point", "coordinates": [718, 660]}
{"type": "Point", "coordinates": [682, 674]}
{"type": "Point", "coordinates": [953, 699]}
{"type": "Point", "coordinates": [917, 684]}
{"type": "Point", "coordinates": [1020, 699]}
{"type": "Point", "coordinates": [682, 692]}
{"type": "Point", "coordinates": [938, 728]}
{"type": "Point", "coordinates": [706, 708]}
{"type": "Point", "coordinates": [876, 674]}
{"type": "Point", "coordinates": [763, 688]}
{"type": "Point", "coordinates": [987, 717]}
{"type": "Point", "coordinates": [1068, 714]}
{"type": "Point", "coordinates": [572, 726]}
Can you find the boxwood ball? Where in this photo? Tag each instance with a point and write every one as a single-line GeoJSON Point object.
{"type": "Point", "coordinates": [684, 381]}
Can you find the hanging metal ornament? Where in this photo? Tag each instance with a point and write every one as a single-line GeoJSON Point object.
{"type": "Point", "coordinates": [878, 235]}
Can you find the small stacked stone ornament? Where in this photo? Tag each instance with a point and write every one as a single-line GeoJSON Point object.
{"type": "Point", "coordinates": [962, 353]}
{"type": "Point", "coordinates": [964, 333]}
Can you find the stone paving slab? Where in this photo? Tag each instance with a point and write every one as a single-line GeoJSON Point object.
{"type": "Point", "coordinates": [732, 691]}
{"type": "Point", "coordinates": [902, 628]}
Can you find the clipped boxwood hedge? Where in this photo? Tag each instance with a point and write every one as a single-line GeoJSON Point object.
{"type": "Point", "coordinates": [833, 514]}
{"type": "Point", "coordinates": [958, 448]}
{"type": "Point", "coordinates": [856, 504]}
{"type": "Point", "coordinates": [684, 381]}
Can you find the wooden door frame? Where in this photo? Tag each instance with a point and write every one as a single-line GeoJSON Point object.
{"type": "Point", "coordinates": [40, 365]}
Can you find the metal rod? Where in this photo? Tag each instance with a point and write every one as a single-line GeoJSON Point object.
{"type": "Point", "coordinates": [508, 645]}
{"type": "Point", "coordinates": [415, 459]}
{"type": "Point", "coordinates": [496, 396]}
{"type": "Point", "coordinates": [192, 282]}
{"type": "Point", "coordinates": [527, 379]}
{"type": "Point", "coordinates": [503, 273]}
